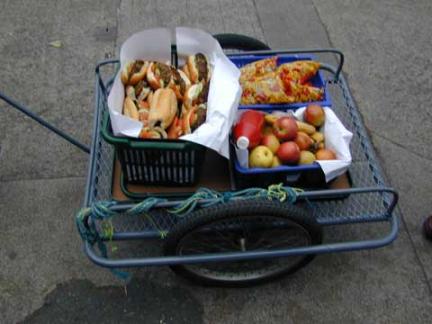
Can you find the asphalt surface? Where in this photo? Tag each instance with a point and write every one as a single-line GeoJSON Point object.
{"type": "Point", "coordinates": [44, 275]}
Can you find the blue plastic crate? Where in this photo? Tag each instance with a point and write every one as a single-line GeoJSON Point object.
{"type": "Point", "coordinates": [317, 81]}
{"type": "Point", "coordinates": [306, 175]}
{"type": "Point", "coordinates": [284, 173]}
{"type": "Point", "coordinates": [282, 168]}
{"type": "Point", "coordinates": [287, 174]}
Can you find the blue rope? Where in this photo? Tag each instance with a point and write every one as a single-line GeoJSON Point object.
{"type": "Point", "coordinates": [274, 192]}
{"type": "Point", "coordinates": [188, 205]}
{"type": "Point", "coordinates": [102, 211]}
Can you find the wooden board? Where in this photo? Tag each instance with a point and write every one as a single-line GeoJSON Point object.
{"type": "Point", "coordinates": [215, 174]}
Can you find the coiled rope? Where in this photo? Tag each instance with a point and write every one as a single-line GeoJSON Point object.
{"type": "Point", "coordinates": [87, 218]}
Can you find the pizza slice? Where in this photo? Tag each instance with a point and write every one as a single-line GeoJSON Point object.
{"type": "Point", "coordinates": [303, 93]}
{"type": "Point", "coordinates": [298, 71]}
{"type": "Point", "coordinates": [264, 83]}
{"type": "Point", "coordinates": [271, 89]}
{"type": "Point", "coordinates": [265, 90]}
{"type": "Point", "coordinates": [258, 68]}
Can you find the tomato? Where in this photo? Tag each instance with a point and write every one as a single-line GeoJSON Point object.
{"type": "Point", "coordinates": [261, 98]}
{"type": "Point", "coordinates": [175, 130]}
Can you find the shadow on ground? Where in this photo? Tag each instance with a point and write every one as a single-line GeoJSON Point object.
{"type": "Point", "coordinates": [79, 301]}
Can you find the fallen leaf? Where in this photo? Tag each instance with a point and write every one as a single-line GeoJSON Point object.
{"type": "Point", "coordinates": [56, 44]}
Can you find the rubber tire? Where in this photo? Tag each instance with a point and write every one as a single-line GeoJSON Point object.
{"type": "Point", "coordinates": [235, 209]}
{"type": "Point", "coordinates": [240, 42]}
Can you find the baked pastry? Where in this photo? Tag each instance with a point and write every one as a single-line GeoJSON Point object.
{"type": "Point", "coordinates": [265, 83]}
{"type": "Point", "coordinates": [193, 118]}
{"type": "Point", "coordinates": [133, 72]}
{"type": "Point", "coordinates": [129, 109]}
{"type": "Point", "coordinates": [196, 94]}
{"type": "Point", "coordinates": [272, 89]}
{"type": "Point", "coordinates": [299, 71]}
{"type": "Point", "coordinates": [154, 91]}
{"type": "Point", "coordinates": [152, 133]}
{"type": "Point", "coordinates": [179, 82]}
{"type": "Point", "coordinates": [265, 90]}
{"type": "Point", "coordinates": [258, 69]}
{"type": "Point", "coordinates": [142, 90]}
{"type": "Point", "coordinates": [163, 108]}
{"type": "Point", "coordinates": [158, 75]}
{"type": "Point", "coordinates": [301, 92]}
{"type": "Point", "coordinates": [198, 68]}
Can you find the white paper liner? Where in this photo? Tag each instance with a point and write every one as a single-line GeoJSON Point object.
{"type": "Point", "coordinates": [337, 138]}
{"type": "Point", "coordinates": [224, 92]}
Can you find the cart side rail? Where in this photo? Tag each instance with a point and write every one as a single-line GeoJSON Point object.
{"type": "Point", "coordinates": [113, 209]}
{"type": "Point", "coordinates": [249, 255]}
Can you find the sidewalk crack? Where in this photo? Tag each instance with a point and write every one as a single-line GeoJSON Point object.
{"type": "Point", "coordinates": [374, 133]}
{"type": "Point", "coordinates": [323, 24]}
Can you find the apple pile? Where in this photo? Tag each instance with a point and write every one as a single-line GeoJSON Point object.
{"type": "Point", "coordinates": [284, 140]}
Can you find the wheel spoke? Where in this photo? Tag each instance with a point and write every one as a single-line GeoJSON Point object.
{"type": "Point", "coordinates": [256, 234]}
{"type": "Point", "coordinates": [227, 231]}
{"type": "Point", "coordinates": [214, 245]}
{"type": "Point", "coordinates": [283, 242]}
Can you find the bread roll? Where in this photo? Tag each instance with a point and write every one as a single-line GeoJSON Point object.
{"type": "Point", "coordinates": [138, 72]}
{"type": "Point", "coordinates": [129, 109]}
{"type": "Point", "coordinates": [130, 92]}
{"type": "Point", "coordinates": [179, 83]}
{"type": "Point", "coordinates": [158, 75]}
{"type": "Point", "coordinates": [185, 70]}
{"type": "Point", "coordinates": [163, 108]}
{"type": "Point", "coordinates": [191, 95]}
{"type": "Point", "coordinates": [133, 72]}
{"type": "Point", "coordinates": [125, 72]}
{"type": "Point", "coordinates": [198, 67]}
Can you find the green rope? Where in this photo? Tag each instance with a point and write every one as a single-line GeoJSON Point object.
{"type": "Point", "coordinates": [143, 208]}
{"type": "Point", "coordinates": [188, 205]}
{"type": "Point", "coordinates": [102, 211]}
{"type": "Point", "coordinates": [107, 229]}
{"type": "Point", "coordinates": [274, 192]}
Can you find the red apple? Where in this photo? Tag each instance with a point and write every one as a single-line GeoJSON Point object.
{"type": "Point", "coordinates": [288, 153]}
{"type": "Point", "coordinates": [285, 128]}
{"type": "Point", "coordinates": [315, 115]}
{"type": "Point", "coordinates": [303, 141]}
{"type": "Point", "coordinates": [271, 142]}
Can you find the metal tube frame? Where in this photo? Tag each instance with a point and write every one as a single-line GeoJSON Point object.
{"type": "Point", "coordinates": [387, 215]}
{"type": "Point", "coordinates": [26, 111]}
{"type": "Point", "coordinates": [248, 255]}
{"type": "Point", "coordinates": [172, 260]}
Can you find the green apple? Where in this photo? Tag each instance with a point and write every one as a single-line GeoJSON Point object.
{"type": "Point", "coordinates": [276, 162]}
{"type": "Point", "coordinates": [306, 157]}
{"type": "Point", "coordinates": [260, 157]}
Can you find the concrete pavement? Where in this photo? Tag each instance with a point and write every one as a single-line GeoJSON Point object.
{"type": "Point", "coordinates": [387, 51]}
